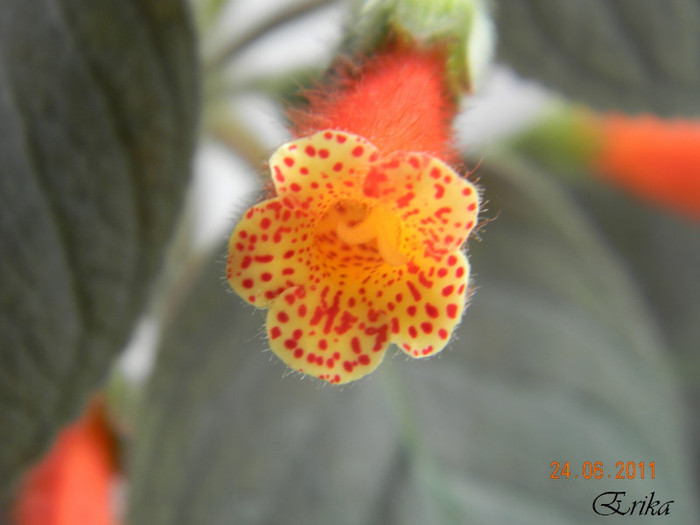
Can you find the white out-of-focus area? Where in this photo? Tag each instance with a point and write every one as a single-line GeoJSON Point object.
{"type": "Point", "coordinates": [505, 105]}
{"type": "Point", "coordinates": [307, 42]}
{"type": "Point", "coordinates": [222, 189]}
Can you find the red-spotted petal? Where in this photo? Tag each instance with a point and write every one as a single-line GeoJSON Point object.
{"type": "Point", "coordinates": [428, 196]}
{"type": "Point", "coordinates": [327, 332]}
{"type": "Point", "coordinates": [314, 172]}
{"type": "Point", "coordinates": [269, 251]}
{"type": "Point", "coordinates": [425, 301]}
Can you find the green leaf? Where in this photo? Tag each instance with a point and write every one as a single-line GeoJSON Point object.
{"type": "Point", "coordinates": [662, 253]}
{"type": "Point", "coordinates": [630, 55]}
{"type": "Point", "coordinates": [98, 102]}
{"type": "Point", "coordinates": [558, 359]}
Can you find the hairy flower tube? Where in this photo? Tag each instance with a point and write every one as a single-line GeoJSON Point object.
{"type": "Point", "coordinates": [357, 251]}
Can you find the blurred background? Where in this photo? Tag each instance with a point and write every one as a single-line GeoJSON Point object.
{"type": "Point", "coordinates": [573, 374]}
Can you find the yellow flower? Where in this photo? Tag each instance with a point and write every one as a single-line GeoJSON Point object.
{"type": "Point", "coordinates": [355, 252]}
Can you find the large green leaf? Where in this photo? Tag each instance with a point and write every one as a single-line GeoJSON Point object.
{"type": "Point", "coordinates": [662, 253]}
{"type": "Point", "coordinates": [97, 115]}
{"type": "Point", "coordinates": [632, 55]}
{"type": "Point", "coordinates": [558, 359]}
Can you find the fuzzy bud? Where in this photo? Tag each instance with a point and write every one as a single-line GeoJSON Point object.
{"type": "Point", "coordinates": [463, 27]}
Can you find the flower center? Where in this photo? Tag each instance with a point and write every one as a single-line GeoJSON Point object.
{"type": "Point", "coordinates": [380, 225]}
{"type": "Point", "coordinates": [355, 235]}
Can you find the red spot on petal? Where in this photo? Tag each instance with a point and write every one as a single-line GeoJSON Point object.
{"type": "Point", "coordinates": [452, 260]}
{"type": "Point", "coordinates": [246, 261]}
{"type": "Point", "coordinates": [310, 151]}
{"type": "Point", "coordinates": [472, 206]}
{"type": "Point", "coordinates": [282, 317]}
{"type": "Point", "coordinates": [264, 258]}
{"type": "Point", "coordinates": [295, 187]}
{"type": "Point", "coordinates": [341, 138]}
{"type": "Point", "coordinates": [412, 331]}
{"type": "Point", "coordinates": [323, 153]}
{"type": "Point", "coordinates": [275, 332]}
{"type": "Point", "coordinates": [427, 327]}
{"type": "Point", "coordinates": [355, 345]}
{"type": "Point", "coordinates": [266, 277]}
{"type": "Point", "coordinates": [298, 353]}
{"type": "Point", "coordinates": [414, 291]}
{"type": "Point", "coordinates": [338, 166]}
{"type": "Point", "coordinates": [247, 283]}
{"type": "Point", "coordinates": [442, 211]}
{"type": "Point", "coordinates": [347, 365]}
{"type": "Point", "coordinates": [394, 325]}
{"type": "Point", "coordinates": [447, 290]}
{"type": "Point", "coordinates": [323, 344]}
{"type": "Point", "coordinates": [460, 271]}
{"type": "Point", "coordinates": [363, 359]}
{"type": "Point", "coordinates": [452, 310]}
{"type": "Point", "coordinates": [439, 191]}
{"type": "Point", "coordinates": [431, 310]}
{"type": "Point", "coordinates": [424, 280]}
{"type": "Point", "coordinates": [405, 200]}
{"type": "Point", "coordinates": [442, 333]}
{"type": "Point", "coordinates": [289, 161]}
{"type": "Point", "coordinates": [358, 151]}
{"type": "Point", "coordinates": [411, 310]}
{"type": "Point", "coordinates": [290, 344]}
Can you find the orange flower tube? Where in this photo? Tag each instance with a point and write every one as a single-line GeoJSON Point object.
{"type": "Point", "coordinates": [655, 159]}
{"type": "Point", "coordinates": [399, 100]}
{"type": "Point", "coordinates": [361, 245]}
